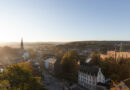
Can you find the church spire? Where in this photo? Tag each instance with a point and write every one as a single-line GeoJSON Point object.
{"type": "Point", "coordinates": [22, 46]}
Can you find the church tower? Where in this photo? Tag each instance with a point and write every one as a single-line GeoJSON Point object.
{"type": "Point", "coordinates": [22, 46]}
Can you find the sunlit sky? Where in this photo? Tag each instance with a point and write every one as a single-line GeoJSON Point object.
{"type": "Point", "coordinates": [64, 20]}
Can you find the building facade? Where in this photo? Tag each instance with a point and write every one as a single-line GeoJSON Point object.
{"type": "Point", "coordinates": [49, 64]}
{"type": "Point", "coordinates": [89, 76]}
{"type": "Point", "coordinates": [52, 65]}
{"type": "Point", "coordinates": [115, 54]}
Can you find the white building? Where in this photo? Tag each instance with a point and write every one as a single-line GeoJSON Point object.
{"type": "Point", "coordinates": [1, 68]}
{"type": "Point", "coordinates": [26, 55]}
{"type": "Point", "coordinates": [52, 65]}
{"type": "Point", "coordinates": [88, 60]}
{"type": "Point", "coordinates": [49, 62]}
{"type": "Point", "coordinates": [89, 76]}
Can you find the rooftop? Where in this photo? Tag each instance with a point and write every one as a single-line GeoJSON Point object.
{"type": "Point", "coordinates": [87, 68]}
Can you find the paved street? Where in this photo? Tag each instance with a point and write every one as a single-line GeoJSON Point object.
{"type": "Point", "coordinates": [52, 83]}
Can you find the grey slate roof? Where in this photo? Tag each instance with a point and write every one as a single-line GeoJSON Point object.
{"type": "Point", "coordinates": [87, 68]}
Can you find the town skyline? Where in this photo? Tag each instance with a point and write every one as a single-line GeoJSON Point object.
{"type": "Point", "coordinates": [64, 45]}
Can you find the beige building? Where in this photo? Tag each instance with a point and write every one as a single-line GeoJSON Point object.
{"type": "Point", "coordinates": [115, 54]}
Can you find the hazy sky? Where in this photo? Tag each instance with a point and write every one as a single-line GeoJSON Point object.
{"type": "Point", "coordinates": [64, 20]}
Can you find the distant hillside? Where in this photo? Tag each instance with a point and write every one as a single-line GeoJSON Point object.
{"type": "Point", "coordinates": [29, 44]}
{"type": "Point", "coordinates": [102, 46]}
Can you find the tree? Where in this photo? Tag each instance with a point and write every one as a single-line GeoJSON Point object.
{"type": "Point", "coordinates": [27, 66]}
{"type": "Point", "coordinates": [82, 58]}
{"type": "Point", "coordinates": [116, 71]}
{"type": "Point", "coordinates": [95, 59]}
{"type": "Point", "coordinates": [21, 77]}
{"type": "Point", "coordinates": [69, 65]}
{"type": "Point", "coordinates": [4, 85]}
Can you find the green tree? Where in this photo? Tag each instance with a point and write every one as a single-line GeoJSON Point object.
{"type": "Point", "coordinates": [20, 77]}
{"type": "Point", "coordinates": [69, 65]}
{"type": "Point", "coordinates": [95, 59]}
{"type": "Point", "coordinates": [4, 85]}
{"type": "Point", "coordinates": [82, 58]}
{"type": "Point", "coordinates": [116, 71]}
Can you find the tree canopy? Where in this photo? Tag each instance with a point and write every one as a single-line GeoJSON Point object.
{"type": "Point", "coordinates": [19, 76]}
{"type": "Point", "coordinates": [69, 64]}
{"type": "Point", "coordinates": [117, 71]}
{"type": "Point", "coordinates": [95, 59]}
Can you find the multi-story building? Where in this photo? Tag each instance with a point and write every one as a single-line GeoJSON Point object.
{"type": "Point", "coordinates": [89, 76]}
{"type": "Point", "coordinates": [49, 64]}
{"type": "Point", "coordinates": [115, 54]}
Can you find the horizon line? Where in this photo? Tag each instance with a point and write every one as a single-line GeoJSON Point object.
{"type": "Point", "coordinates": [56, 41]}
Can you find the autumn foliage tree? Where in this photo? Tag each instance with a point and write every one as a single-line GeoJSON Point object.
{"type": "Point", "coordinates": [20, 77]}
{"type": "Point", "coordinates": [95, 59]}
{"type": "Point", "coordinates": [69, 65]}
{"type": "Point", "coordinates": [117, 71]}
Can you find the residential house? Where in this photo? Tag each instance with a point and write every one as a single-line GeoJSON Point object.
{"type": "Point", "coordinates": [49, 64]}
